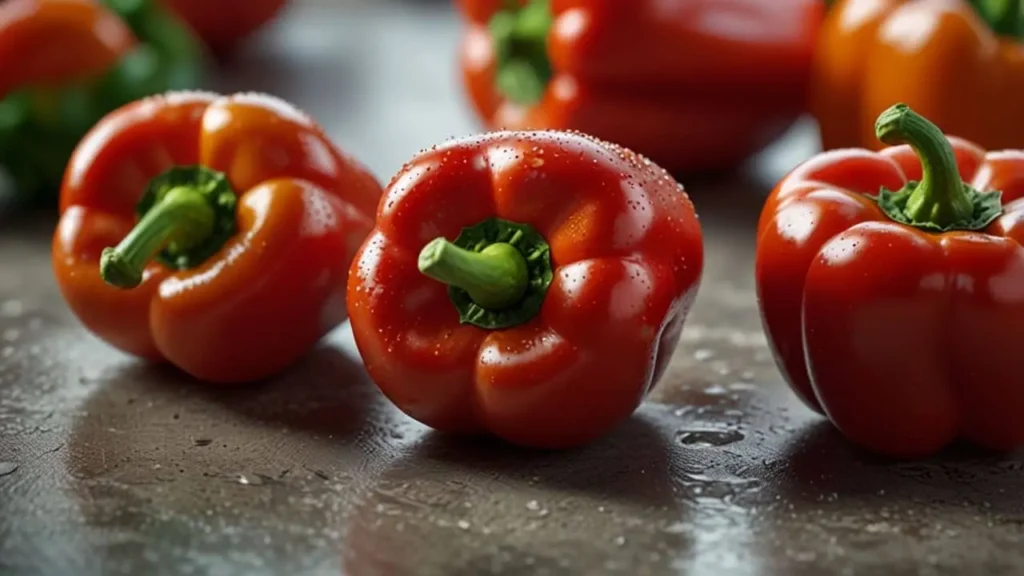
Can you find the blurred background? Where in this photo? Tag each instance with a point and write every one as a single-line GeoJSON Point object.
{"type": "Point", "coordinates": [382, 76]}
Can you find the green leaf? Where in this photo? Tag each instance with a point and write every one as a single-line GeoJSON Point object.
{"type": "Point", "coordinates": [519, 35]}
{"type": "Point", "coordinates": [535, 251]}
{"type": "Point", "coordinates": [987, 207]}
{"type": "Point", "coordinates": [215, 187]}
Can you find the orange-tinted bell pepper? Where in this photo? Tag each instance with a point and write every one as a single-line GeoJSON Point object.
{"type": "Point", "coordinates": [213, 232]}
{"type": "Point", "coordinates": [64, 64]}
{"type": "Point", "coordinates": [693, 84]}
{"type": "Point", "coordinates": [958, 63]}
{"type": "Point", "coordinates": [892, 291]}
{"type": "Point", "coordinates": [49, 43]}
{"type": "Point", "coordinates": [529, 284]}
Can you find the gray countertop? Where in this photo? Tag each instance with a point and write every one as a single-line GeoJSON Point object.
{"type": "Point", "coordinates": [110, 466]}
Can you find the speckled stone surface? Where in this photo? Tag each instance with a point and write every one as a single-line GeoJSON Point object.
{"type": "Point", "coordinates": [109, 466]}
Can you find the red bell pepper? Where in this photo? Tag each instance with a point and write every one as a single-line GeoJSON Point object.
{"type": "Point", "coordinates": [532, 285]}
{"type": "Point", "coordinates": [223, 24]}
{"type": "Point", "coordinates": [890, 289]}
{"type": "Point", "coordinates": [695, 85]}
{"type": "Point", "coordinates": [48, 43]}
{"type": "Point", "coordinates": [213, 232]}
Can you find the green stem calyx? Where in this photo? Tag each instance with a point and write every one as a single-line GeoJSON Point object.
{"type": "Point", "coordinates": [1006, 17]}
{"type": "Point", "coordinates": [941, 201]}
{"type": "Point", "coordinates": [185, 216]}
{"type": "Point", "coordinates": [495, 278]}
{"type": "Point", "coordinates": [520, 44]}
{"type": "Point", "coordinates": [498, 272]}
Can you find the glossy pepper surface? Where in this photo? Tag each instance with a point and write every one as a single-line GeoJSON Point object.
{"type": "Point", "coordinates": [695, 85]}
{"type": "Point", "coordinates": [890, 289]}
{"type": "Point", "coordinates": [528, 284]}
{"type": "Point", "coordinates": [214, 232]}
{"type": "Point", "coordinates": [222, 24]}
{"type": "Point", "coordinates": [956, 62]}
{"type": "Point", "coordinates": [64, 64]}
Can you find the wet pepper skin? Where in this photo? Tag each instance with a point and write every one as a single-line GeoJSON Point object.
{"type": "Point", "coordinates": [275, 286]}
{"type": "Point", "coordinates": [695, 85]}
{"type": "Point", "coordinates": [874, 53]}
{"type": "Point", "coordinates": [901, 337]}
{"type": "Point", "coordinates": [626, 255]}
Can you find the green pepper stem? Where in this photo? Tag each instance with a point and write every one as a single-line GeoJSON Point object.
{"type": "Point", "coordinates": [940, 198]}
{"type": "Point", "coordinates": [495, 278]}
{"type": "Point", "coordinates": [1006, 17]}
{"type": "Point", "coordinates": [520, 44]}
{"type": "Point", "coordinates": [183, 217]}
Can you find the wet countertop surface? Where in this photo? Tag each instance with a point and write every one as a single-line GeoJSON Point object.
{"type": "Point", "coordinates": [111, 466]}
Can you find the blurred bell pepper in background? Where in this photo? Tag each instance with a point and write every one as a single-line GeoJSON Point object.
{"type": "Point", "coordinates": [696, 85]}
{"type": "Point", "coordinates": [960, 63]}
{"type": "Point", "coordinates": [64, 64]}
{"type": "Point", "coordinates": [222, 24]}
{"type": "Point", "coordinates": [92, 40]}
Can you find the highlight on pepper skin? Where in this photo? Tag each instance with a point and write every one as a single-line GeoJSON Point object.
{"type": "Point", "coordinates": [212, 232]}
{"type": "Point", "coordinates": [531, 285]}
{"type": "Point", "coordinates": [884, 282]}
